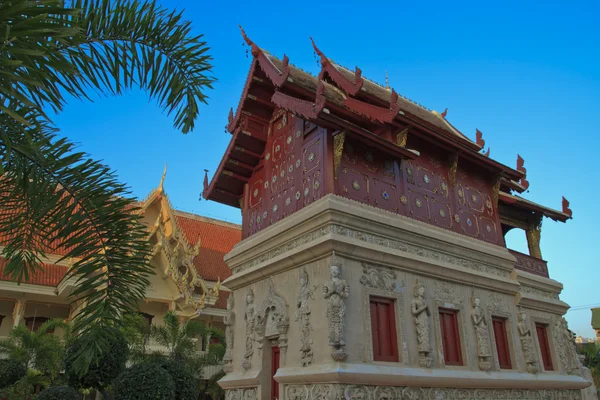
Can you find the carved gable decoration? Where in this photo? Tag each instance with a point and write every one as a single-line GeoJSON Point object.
{"type": "Point", "coordinates": [378, 277]}
{"type": "Point", "coordinates": [272, 316]}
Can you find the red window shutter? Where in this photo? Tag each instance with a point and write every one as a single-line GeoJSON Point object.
{"type": "Point", "coordinates": [274, 368]}
{"type": "Point", "coordinates": [542, 335]}
{"type": "Point", "coordinates": [383, 329]}
{"type": "Point", "coordinates": [450, 337]}
{"type": "Point", "coordinates": [502, 348]}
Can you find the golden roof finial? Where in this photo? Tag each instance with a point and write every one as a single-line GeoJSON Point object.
{"type": "Point", "coordinates": [162, 179]}
{"type": "Point", "coordinates": [387, 81]}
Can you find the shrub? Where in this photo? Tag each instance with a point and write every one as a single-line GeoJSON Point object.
{"type": "Point", "coordinates": [10, 372]}
{"type": "Point", "coordinates": [186, 384]}
{"type": "Point", "coordinates": [144, 381]}
{"type": "Point", "coordinates": [102, 373]}
{"type": "Point", "coordinates": [59, 393]}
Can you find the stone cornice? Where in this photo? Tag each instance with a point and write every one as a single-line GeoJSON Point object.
{"type": "Point", "coordinates": [341, 225]}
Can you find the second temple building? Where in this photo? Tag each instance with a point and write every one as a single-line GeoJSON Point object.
{"type": "Point", "coordinates": [373, 263]}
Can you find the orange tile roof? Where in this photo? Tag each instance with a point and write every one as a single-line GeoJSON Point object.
{"type": "Point", "coordinates": [217, 239]}
{"type": "Point", "coordinates": [51, 275]}
{"type": "Point", "coordinates": [222, 300]}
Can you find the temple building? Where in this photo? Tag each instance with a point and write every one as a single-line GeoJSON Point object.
{"type": "Point", "coordinates": [373, 263]}
{"type": "Point", "coordinates": [188, 252]}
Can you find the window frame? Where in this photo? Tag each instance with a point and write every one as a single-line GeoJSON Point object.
{"type": "Point", "coordinates": [30, 323]}
{"type": "Point", "coordinates": [393, 336]}
{"type": "Point", "coordinates": [505, 338]}
{"type": "Point", "coordinates": [545, 346]}
{"type": "Point", "coordinates": [457, 342]}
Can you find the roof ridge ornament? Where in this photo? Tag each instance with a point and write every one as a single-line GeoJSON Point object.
{"type": "Point", "coordinates": [444, 113]}
{"type": "Point", "coordinates": [255, 49]}
{"type": "Point", "coordinates": [205, 179]}
{"type": "Point", "coordinates": [336, 76]}
{"type": "Point", "coordinates": [479, 138]}
{"type": "Point", "coordinates": [565, 207]}
{"type": "Point", "coordinates": [162, 179]}
{"type": "Point", "coordinates": [520, 167]}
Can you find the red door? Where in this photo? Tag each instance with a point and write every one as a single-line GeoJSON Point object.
{"type": "Point", "coordinates": [274, 368]}
{"type": "Point", "coordinates": [544, 346]}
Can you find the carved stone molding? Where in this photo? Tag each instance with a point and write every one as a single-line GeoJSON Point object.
{"type": "Point", "coordinates": [335, 292]}
{"type": "Point", "coordinates": [376, 240]}
{"type": "Point", "coordinates": [378, 277]}
{"type": "Point", "coordinates": [368, 392]}
{"type": "Point", "coordinates": [228, 321]}
{"type": "Point", "coordinates": [539, 292]}
{"type": "Point", "coordinates": [241, 394]}
{"type": "Point", "coordinates": [303, 315]}
{"type": "Point", "coordinates": [565, 345]}
{"type": "Point", "coordinates": [446, 292]}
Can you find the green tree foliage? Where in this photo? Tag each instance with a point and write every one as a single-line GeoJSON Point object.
{"type": "Point", "coordinates": [179, 338]}
{"type": "Point", "coordinates": [56, 199]}
{"type": "Point", "coordinates": [101, 373]}
{"type": "Point", "coordinates": [136, 332]}
{"type": "Point", "coordinates": [186, 384]}
{"type": "Point", "coordinates": [37, 350]}
{"type": "Point", "coordinates": [25, 387]}
{"type": "Point", "coordinates": [59, 393]}
{"type": "Point", "coordinates": [11, 371]}
{"type": "Point", "coordinates": [144, 381]}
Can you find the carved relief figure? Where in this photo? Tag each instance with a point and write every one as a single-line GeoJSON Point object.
{"type": "Point", "coordinates": [335, 291]}
{"type": "Point", "coordinates": [420, 311]}
{"type": "Point", "coordinates": [228, 322]}
{"type": "Point", "coordinates": [303, 315]}
{"type": "Point", "coordinates": [527, 343]}
{"type": "Point", "coordinates": [378, 277]}
{"type": "Point", "coordinates": [249, 319]}
{"type": "Point", "coordinates": [571, 359]}
{"type": "Point", "coordinates": [482, 333]}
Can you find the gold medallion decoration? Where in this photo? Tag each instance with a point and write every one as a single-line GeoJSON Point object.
{"type": "Point", "coordinates": [442, 213]}
{"type": "Point", "coordinates": [418, 203]}
{"type": "Point", "coordinates": [474, 198]}
{"type": "Point", "coordinates": [274, 178]}
{"type": "Point", "coordinates": [297, 163]}
{"type": "Point", "coordinates": [425, 178]}
{"type": "Point", "coordinates": [356, 185]}
{"type": "Point", "coordinates": [385, 195]}
{"type": "Point", "coordinates": [266, 186]}
{"type": "Point", "coordinates": [488, 228]}
{"type": "Point", "coordinates": [403, 199]}
{"type": "Point", "coordinates": [277, 148]}
{"type": "Point", "coordinates": [265, 215]}
{"type": "Point", "coordinates": [267, 156]}
{"type": "Point", "coordinates": [306, 191]}
{"type": "Point", "coordinates": [288, 201]}
{"type": "Point", "coordinates": [298, 195]}
{"type": "Point", "coordinates": [289, 140]}
{"type": "Point", "coordinates": [258, 219]}
{"type": "Point", "coordinates": [460, 193]}
{"type": "Point", "coordinates": [457, 218]}
{"type": "Point", "coordinates": [316, 185]}
{"type": "Point", "coordinates": [469, 222]}
{"type": "Point", "coordinates": [275, 208]}
{"type": "Point", "coordinates": [298, 133]}
{"type": "Point", "coordinates": [282, 173]}
{"type": "Point", "coordinates": [255, 193]}
{"type": "Point", "coordinates": [444, 186]}
{"type": "Point", "coordinates": [488, 204]}
{"type": "Point", "coordinates": [311, 156]}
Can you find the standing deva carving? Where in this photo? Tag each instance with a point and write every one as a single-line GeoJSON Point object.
{"type": "Point", "coordinates": [482, 333]}
{"type": "Point", "coordinates": [526, 338]}
{"type": "Point", "coordinates": [566, 347]}
{"type": "Point", "coordinates": [335, 292]}
{"type": "Point", "coordinates": [249, 320]}
{"type": "Point", "coordinates": [228, 321]}
{"type": "Point", "coordinates": [420, 310]}
{"type": "Point", "coordinates": [303, 315]}
{"type": "Point", "coordinates": [378, 277]}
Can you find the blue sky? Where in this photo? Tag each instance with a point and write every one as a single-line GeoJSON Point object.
{"type": "Point", "coordinates": [526, 74]}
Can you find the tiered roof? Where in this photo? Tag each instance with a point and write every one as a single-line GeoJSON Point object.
{"type": "Point", "coordinates": [345, 99]}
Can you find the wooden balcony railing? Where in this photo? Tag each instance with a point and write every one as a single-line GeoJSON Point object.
{"type": "Point", "coordinates": [530, 264]}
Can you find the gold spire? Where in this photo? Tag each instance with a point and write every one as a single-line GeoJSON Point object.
{"type": "Point", "coordinates": [387, 81]}
{"type": "Point", "coordinates": [162, 179]}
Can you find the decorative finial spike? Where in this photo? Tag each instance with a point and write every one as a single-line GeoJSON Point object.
{"type": "Point", "coordinates": [445, 113]}
{"type": "Point", "coordinates": [487, 153]}
{"type": "Point", "coordinates": [387, 81]}
{"type": "Point", "coordinates": [162, 179]}
{"type": "Point", "coordinates": [205, 179]}
{"type": "Point", "coordinates": [246, 38]}
{"type": "Point", "coordinates": [230, 116]}
{"type": "Point", "coordinates": [565, 207]}
{"type": "Point", "coordinates": [520, 167]}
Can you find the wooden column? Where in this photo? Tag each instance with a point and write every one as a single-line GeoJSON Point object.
{"type": "Point", "coordinates": [533, 233]}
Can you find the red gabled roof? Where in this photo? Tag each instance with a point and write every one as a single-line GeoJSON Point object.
{"type": "Point", "coordinates": [221, 302]}
{"type": "Point", "coordinates": [51, 275]}
{"type": "Point", "coordinates": [217, 239]}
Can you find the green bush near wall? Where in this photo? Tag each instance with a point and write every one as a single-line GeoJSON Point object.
{"type": "Point", "coordinates": [59, 393]}
{"type": "Point", "coordinates": [144, 381]}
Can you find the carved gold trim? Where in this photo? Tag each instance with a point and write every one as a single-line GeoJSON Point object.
{"type": "Point", "coordinates": [534, 233]}
{"type": "Point", "coordinates": [338, 149]}
{"type": "Point", "coordinates": [496, 190]}
{"type": "Point", "coordinates": [453, 168]}
{"type": "Point", "coordinates": [401, 138]}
